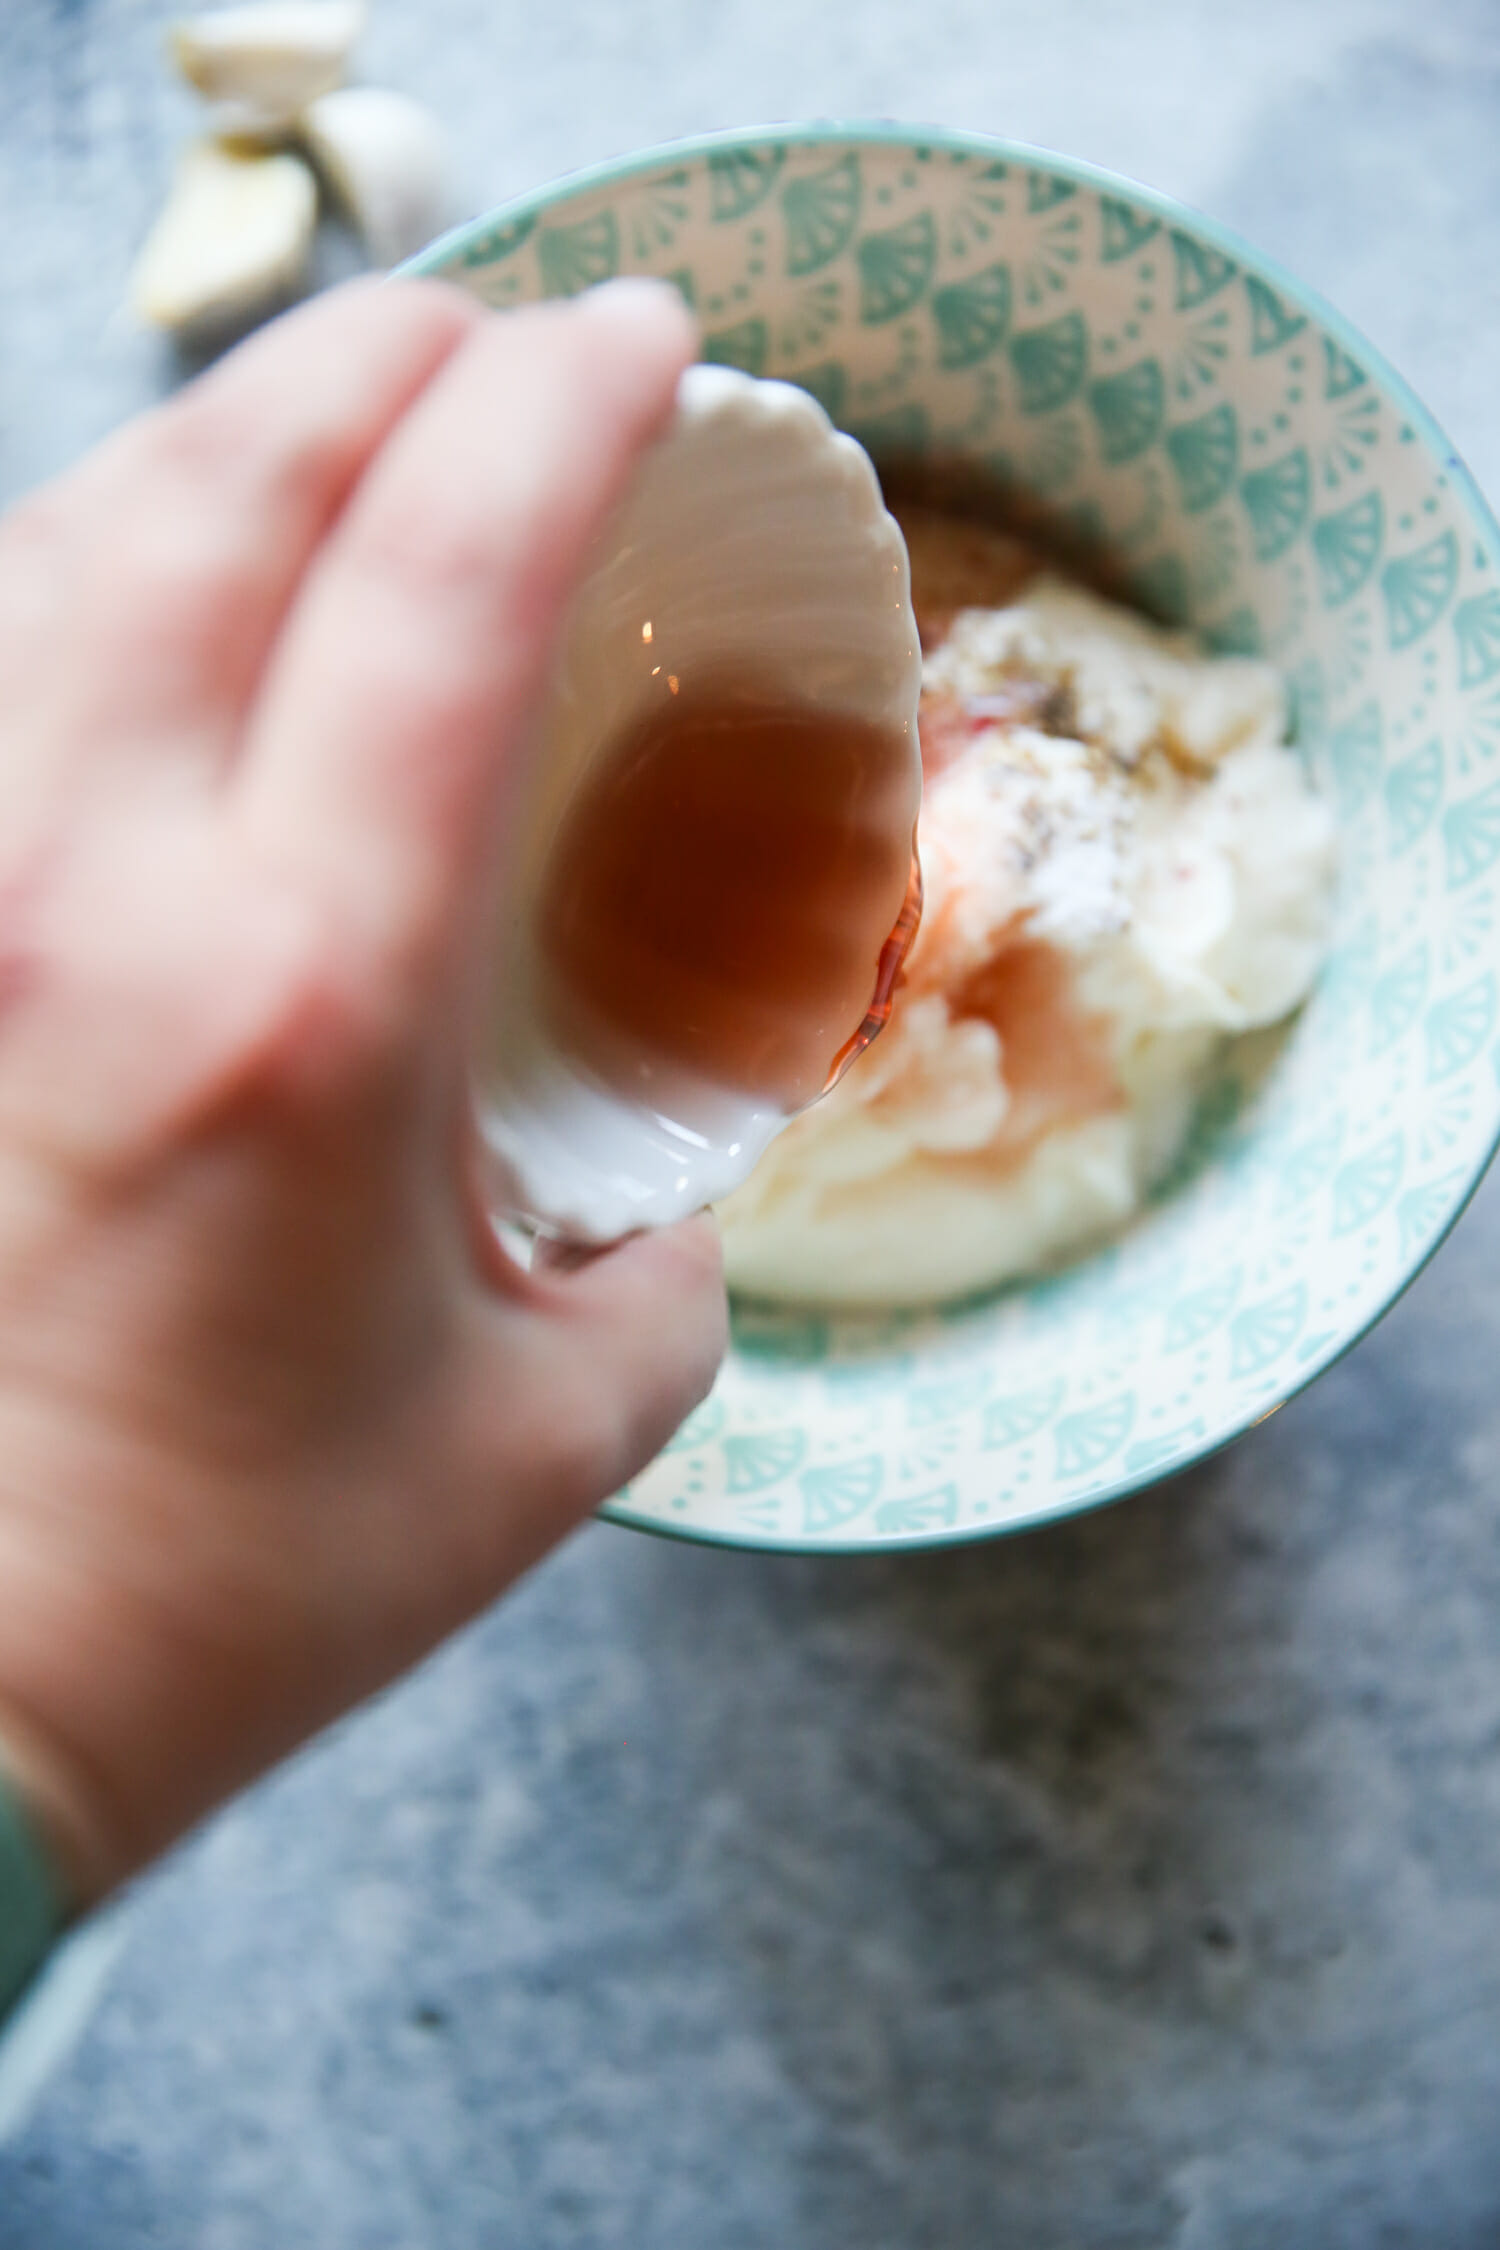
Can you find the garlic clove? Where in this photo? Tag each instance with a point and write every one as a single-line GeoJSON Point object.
{"type": "Point", "coordinates": [244, 127]}
{"type": "Point", "coordinates": [274, 56]}
{"type": "Point", "coordinates": [232, 240]}
{"type": "Point", "coordinates": [382, 155]}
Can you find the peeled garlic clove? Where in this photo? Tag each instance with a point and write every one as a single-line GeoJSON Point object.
{"type": "Point", "coordinates": [233, 239]}
{"type": "Point", "coordinates": [382, 156]}
{"type": "Point", "coordinates": [243, 126]}
{"type": "Point", "coordinates": [274, 56]}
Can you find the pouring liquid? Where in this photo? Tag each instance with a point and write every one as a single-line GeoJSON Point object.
{"type": "Point", "coordinates": [733, 895]}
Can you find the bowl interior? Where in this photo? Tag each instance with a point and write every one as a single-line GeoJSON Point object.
{"type": "Point", "coordinates": [1158, 391]}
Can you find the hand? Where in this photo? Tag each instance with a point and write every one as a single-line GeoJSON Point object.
{"type": "Point", "coordinates": [276, 1412]}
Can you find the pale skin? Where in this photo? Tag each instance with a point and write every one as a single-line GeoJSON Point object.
{"type": "Point", "coordinates": [277, 1412]}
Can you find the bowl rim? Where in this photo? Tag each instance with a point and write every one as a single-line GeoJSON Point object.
{"type": "Point", "coordinates": [952, 140]}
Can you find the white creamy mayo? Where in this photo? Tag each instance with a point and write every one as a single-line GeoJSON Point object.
{"type": "Point", "coordinates": [1124, 865]}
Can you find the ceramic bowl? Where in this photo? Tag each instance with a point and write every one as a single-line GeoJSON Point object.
{"type": "Point", "coordinates": [754, 545]}
{"type": "Point", "coordinates": [1253, 468]}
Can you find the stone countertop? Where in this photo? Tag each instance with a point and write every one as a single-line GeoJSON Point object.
{"type": "Point", "coordinates": [1132, 1883]}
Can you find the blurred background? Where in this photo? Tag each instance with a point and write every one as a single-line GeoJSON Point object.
{"type": "Point", "coordinates": [1134, 1883]}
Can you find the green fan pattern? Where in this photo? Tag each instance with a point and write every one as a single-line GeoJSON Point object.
{"type": "Point", "coordinates": [1277, 501]}
{"type": "Point", "coordinates": [1476, 626]}
{"type": "Point", "coordinates": [745, 346]}
{"type": "Point", "coordinates": [1262, 1332]}
{"type": "Point", "coordinates": [740, 179]}
{"type": "Point", "coordinates": [1238, 634]}
{"type": "Point", "coordinates": [1198, 1315]}
{"type": "Point", "coordinates": [1128, 410]}
{"type": "Point", "coordinates": [1425, 1211]}
{"type": "Point", "coordinates": [831, 1496]}
{"type": "Point", "coordinates": [1459, 1027]}
{"type": "Point", "coordinates": [1204, 454]}
{"type": "Point", "coordinates": [1086, 1440]}
{"type": "Point", "coordinates": [1307, 1167]}
{"type": "Point", "coordinates": [1010, 1420]}
{"type": "Point", "coordinates": [1471, 837]}
{"type": "Point", "coordinates": [1397, 998]}
{"type": "Point", "coordinates": [923, 1512]}
{"type": "Point", "coordinates": [1045, 189]}
{"type": "Point", "coordinates": [1272, 323]}
{"type": "Point", "coordinates": [1122, 230]}
{"type": "Point", "coordinates": [1341, 374]}
{"type": "Point", "coordinates": [1200, 270]}
{"type": "Point", "coordinates": [762, 1457]}
{"type": "Point", "coordinates": [895, 268]}
{"type": "Point", "coordinates": [821, 211]}
{"type": "Point", "coordinates": [1356, 754]}
{"type": "Point", "coordinates": [1413, 792]}
{"type": "Point", "coordinates": [491, 246]}
{"type": "Point", "coordinates": [1347, 546]}
{"type": "Point", "coordinates": [940, 1402]}
{"type": "Point", "coordinates": [575, 258]}
{"type": "Point", "coordinates": [972, 317]}
{"type": "Point", "coordinates": [1050, 363]}
{"type": "Point", "coordinates": [1365, 1185]}
{"type": "Point", "coordinates": [1418, 588]}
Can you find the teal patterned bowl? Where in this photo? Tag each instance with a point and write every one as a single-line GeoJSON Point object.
{"type": "Point", "coordinates": [1256, 470]}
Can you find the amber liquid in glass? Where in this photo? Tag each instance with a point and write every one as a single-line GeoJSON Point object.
{"type": "Point", "coordinates": [734, 893]}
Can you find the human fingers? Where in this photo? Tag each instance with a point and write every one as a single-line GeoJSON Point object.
{"type": "Point", "coordinates": [589, 1374]}
{"type": "Point", "coordinates": [388, 736]}
{"type": "Point", "coordinates": [140, 593]}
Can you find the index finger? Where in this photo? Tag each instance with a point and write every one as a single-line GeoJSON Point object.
{"type": "Point", "coordinates": [140, 593]}
{"type": "Point", "coordinates": [388, 734]}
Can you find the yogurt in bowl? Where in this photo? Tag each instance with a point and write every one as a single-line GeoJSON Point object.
{"type": "Point", "coordinates": [1124, 867]}
{"type": "Point", "coordinates": [1144, 386]}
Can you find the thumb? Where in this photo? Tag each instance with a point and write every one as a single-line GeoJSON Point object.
{"type": "Point", "coordinates": [648, 1322]}
{"type": "Point", "coordinates": [584, 1376]}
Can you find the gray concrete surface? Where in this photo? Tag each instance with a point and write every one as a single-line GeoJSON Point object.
{"type": "Point", "coordinates": [1132, 1884]}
